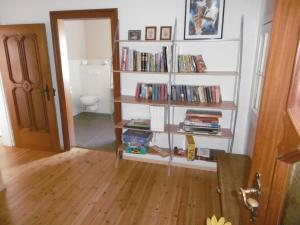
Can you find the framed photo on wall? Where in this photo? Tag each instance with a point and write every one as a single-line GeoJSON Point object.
{"type": "Point", "coordinates": [165, 32]}
{"type": "Point", "coordinates": [150, 33]}
{"type": "Point", "coordinates": [134, 35]}
{"type": "Point", "coordinates": [203, 19]}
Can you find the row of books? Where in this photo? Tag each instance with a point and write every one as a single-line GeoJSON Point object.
{"type": "Point", "coordinates": [191, 63]}
{"type": "Point", "coordinates": [203, 94]}
{"type": "Point", "coordinates": [152, 91]}
{"type": "Point", "coordinates": [201, 121]}
{"type": "Point", "coordinates": [133, 60]}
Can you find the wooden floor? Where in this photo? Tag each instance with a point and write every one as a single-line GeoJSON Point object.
{"type": "Point", "coordinates": [84, 187]}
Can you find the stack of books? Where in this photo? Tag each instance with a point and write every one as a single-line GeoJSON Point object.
{"type": "Point", "coordinates": [133, 60]}
{"type": "Point", "coordinates": [203, 94]}
{"type": "Point", "coordinates": [201, 121]}
{"type": "Point", "coordinates": [191, 64]}
{"type": "Point", "coordinates": [151, 91]}
{"type": "Point", "coordinates": [136, 141]}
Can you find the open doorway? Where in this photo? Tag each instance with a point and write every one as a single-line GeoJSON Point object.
{"type": "Point", "coordinates": [83, 44]}
{"type": "Point", "coordinates": [89, 52]}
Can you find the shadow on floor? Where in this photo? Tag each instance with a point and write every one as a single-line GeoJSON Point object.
{"type": "Point", "coordinates": [94, 131]}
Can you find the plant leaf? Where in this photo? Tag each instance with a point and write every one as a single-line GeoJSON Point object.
{"type": "Point", "coordinates": [208, 221]}
{"type": "Point", "coordinates": [221, 221]}
{"type": "Point", "coordinates": [214, 220]}
{"type": "Point", "coordinates": [228, 223]}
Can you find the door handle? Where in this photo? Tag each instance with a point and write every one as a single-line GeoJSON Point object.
{"type": "Point", "coordinates": [252, 204]}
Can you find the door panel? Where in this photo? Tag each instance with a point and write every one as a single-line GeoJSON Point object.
{"type": "Point", "coordinates": [28, 86]}
{"type": "Point", "coordinates": [275, 133]}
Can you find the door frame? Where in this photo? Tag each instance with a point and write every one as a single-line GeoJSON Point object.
{"type": "Point", "coordinates": [55, 16]}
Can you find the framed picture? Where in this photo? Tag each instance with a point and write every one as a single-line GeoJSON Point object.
{"type": "Point", "coordinates": [203, 19]}
{"type": "Point", "coordinates": [165, 32]}
{"type": "Point", "coordinates": [134, 34]}
{"type": "Point", "coordinates": [150, 33]}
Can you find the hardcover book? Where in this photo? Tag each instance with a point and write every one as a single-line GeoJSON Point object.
{"type": "Point", "coordinates": [138, 124]}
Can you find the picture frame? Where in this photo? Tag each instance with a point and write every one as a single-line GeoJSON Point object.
{"type": "Point", "coordinates": [150, 33]}
{"type": "Point", "coordinates": [134, 35]}
{"type": "Point", "coordinates": [203, 19]}
{"type": "Point", "coordinates": [165, 32]}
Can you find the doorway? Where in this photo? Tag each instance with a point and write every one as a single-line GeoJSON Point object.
{"type": "Point", "coordinates": [83, 45]}
{"type": "Point", "coordinates": [89, 53]}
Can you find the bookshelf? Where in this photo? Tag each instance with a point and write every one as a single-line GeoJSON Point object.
{"type": "Point", "coordinates": [171, 128]}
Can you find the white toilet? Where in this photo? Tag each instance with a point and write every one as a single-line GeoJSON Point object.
{"type": "Point", "coordinates": [89, 103]}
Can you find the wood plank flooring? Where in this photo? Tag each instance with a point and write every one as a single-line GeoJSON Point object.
{"type": "Point", "coordinates": [84, 187]}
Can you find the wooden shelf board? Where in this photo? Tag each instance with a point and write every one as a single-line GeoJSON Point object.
{"type": "Point", "coordinates": [177, 160]}
{"type": "Point", "coordinates": [209, 73]}
{"type": "Point", "coordinates": [180, 41]}
{"type": "Point", "coordinates": [143, 41]}
{"type": "Point", "coordinates": [225, 105]}
{"type": "Point", "coordinates": [139, 72]}
{"type": "Point", "coordinates": [210, 40]}
{"type": "Point", "coordinates": [206, 73]}
{"type": "Point", "coordinates": [224, 132]}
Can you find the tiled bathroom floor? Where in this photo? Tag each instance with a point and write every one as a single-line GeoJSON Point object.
{"type": "Point", "coordinates": [94, 131]}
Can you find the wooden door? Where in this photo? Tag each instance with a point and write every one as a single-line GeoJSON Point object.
{"type": "Point", "coordinates": [28, 87]}
{"type": "Point", "coordinates": [276, 133]}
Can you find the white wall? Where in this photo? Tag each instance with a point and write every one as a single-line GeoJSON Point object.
{"type": "Point", "coordinates": [136, 14]}
{"type": "Point", "coordinates": [5, 125]}
{"type": "Point", "coordinates": [98, 39]}
{"type": "Point", "coordinates": [89, 40]}
{"type": "Point", "coordinates": [76, 43]}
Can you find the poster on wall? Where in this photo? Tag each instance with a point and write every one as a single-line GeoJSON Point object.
{"type": "Point", "coordinates": [203, 19]}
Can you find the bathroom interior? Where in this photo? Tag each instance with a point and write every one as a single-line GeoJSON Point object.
{"type": "Point", "coordinates": [89, 52]}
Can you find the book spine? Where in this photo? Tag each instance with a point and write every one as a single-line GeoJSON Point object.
{"type": "Point", "coordinates": [164, 56]}
{"type": "Point", "coordinates": [124, 58]}
{"type": "Point", "coordinates": [138, 90]}
{"type": "Point", "coordinates": [134, 60]}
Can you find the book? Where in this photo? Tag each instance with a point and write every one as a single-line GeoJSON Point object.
{"type": "Point", "coordinates": [160, 151]}
{"type": "Point", "coordinates": [124, 58]}
{"type": "Point", "coordinates": [191, 147]}
{"type": "Point", "coordinates": [190, 63]}
{"type": "Point", "coordinates": [203, 113]}
{"type": "Point", "coordinates": [158, 118]}
{"type": "Point", "coordinates": [203, 152]}
{"type": "Point", "coordinates": [199, 63]}
{"type": "Point", "coordinates": [142, 124]}
{"type": "Point", "coordinates": [192, 130]}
